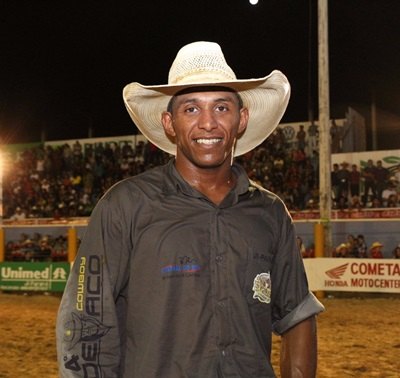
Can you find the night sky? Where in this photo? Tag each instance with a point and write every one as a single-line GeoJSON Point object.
{"type": "Point", "coordinates": [63, 64]}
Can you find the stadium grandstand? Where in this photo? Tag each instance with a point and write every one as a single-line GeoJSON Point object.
{"type": "Point", "coordinates": [58, 182]}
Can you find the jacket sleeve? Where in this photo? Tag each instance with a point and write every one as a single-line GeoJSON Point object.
{"type": "Point", "coordinates": [92, 307]}
{"type": "Point", "coordinates": [291, 298]}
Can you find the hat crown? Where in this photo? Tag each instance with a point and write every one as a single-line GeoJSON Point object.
{"type": "Point", "coordinates": [200, 62]}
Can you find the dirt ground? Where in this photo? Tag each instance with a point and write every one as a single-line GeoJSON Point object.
{"type": "Point", "coordinates": [358, 337]}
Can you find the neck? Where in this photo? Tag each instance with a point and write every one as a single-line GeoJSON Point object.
{"type": "Point", "coordinates": [206, 176]}
{"type": "Point", "coordinates": [215, 183]}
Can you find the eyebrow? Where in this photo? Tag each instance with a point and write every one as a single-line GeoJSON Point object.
{"type": "Point", "coordinates": [174, 98]}
{"type": "Point", "coordinates": [218, 99]}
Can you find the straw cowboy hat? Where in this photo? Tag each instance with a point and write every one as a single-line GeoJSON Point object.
{"type": "Point", "coordinates": [341, 246]}
{"type": "Point", "coordinates": [203, 64]}
{"type": "Point", "coordinates": [376, 244]}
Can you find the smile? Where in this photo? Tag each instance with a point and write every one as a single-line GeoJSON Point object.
{"type": "Point", "coordinates": [208, 141]}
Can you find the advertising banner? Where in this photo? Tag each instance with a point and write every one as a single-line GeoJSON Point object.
{"type": "Point", "coordinates": [392, 213]}
{"type": "Point", "coordinates": [30, 276]}
{"type": "Point", "coordinates": [342, 274]}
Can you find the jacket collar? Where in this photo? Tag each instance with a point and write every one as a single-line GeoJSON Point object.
{"type": "Point", "coordinates": [175, 184]}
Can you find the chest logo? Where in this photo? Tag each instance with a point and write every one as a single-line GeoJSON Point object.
{"type": "Point", "coordinates": [185, 267]}
{"type": "Point", "coordinates": [262, 287]}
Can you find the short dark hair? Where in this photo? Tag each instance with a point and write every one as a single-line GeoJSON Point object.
{"type": "Point", "coordinates": [204, 89]}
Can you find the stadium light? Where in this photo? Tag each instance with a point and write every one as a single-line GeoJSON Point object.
{"type": "Point", "coordinates": [1, 187]}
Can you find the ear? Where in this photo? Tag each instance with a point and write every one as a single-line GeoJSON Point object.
{"type": "Point", "coordinates": [166, 119]}
{"type": "Point", "coordinates": [244, 119]}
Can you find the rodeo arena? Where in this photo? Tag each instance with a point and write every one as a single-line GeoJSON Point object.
{"type": "Point", "coordinates": [351, 256]}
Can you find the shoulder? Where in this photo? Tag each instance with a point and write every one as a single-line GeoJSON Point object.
{"type": "Point", "coordinates": [130, 198]}
{"type": "Point", "coordinates": [145, 184]}
{"type": "Point", "coordinates": [269, 199]}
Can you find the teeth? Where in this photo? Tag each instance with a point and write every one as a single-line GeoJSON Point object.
{"type": "Point", "coordinates": [208, 141]}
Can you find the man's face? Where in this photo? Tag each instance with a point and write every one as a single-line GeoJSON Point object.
{"type": "Point", "coordinates": [205, 126]}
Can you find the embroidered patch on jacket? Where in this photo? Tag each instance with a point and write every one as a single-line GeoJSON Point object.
{"type": "Point", "coordinates": [185, 267]}
{"type": "Point", "coordinates": [262, 287]}
{"type": "Point", "coordinates": [83, 328]}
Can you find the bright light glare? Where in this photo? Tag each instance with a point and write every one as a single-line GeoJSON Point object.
{"type": "Point", "coordinates": [253, 2]}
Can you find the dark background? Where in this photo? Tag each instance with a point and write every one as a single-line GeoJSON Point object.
{"type": "Point", "coordinates": [63, 64]}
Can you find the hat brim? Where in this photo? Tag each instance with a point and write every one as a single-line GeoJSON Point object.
{"type": "Point", "coordinates": [266, 98]}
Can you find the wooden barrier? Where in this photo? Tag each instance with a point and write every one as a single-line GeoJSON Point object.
{"type": "Point", "coordinates": [319, 249]}
{"type": "Point", "coordinates": [72, 244]}
{"type": "Point", "coordinates": [2, 245]}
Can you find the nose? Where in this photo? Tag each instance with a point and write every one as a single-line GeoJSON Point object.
{"type": "Point", "coordinates": [207, 120]}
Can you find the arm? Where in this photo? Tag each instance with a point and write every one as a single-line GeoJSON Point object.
{"type": "Point", "coordinates": [294, 308]}
{"type": "Point", "coordinates": [299, 350]}
{"type": "Point", "coordinates": [88, 335]}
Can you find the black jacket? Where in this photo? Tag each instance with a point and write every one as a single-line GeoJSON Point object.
{"type": "Point", "coordinates": [167, 284]}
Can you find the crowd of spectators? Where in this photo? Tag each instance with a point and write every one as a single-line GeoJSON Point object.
{"type": "Point", "coordinates": [64, 181]}
{"type": "Point", "coordinates": [356, 247]}
{"type": "Point", "coordinates": [37, 248]}
{"type": "Point", "coordinates": [67, 181]}
{"type": "Point", "coordinates": [372, 187]}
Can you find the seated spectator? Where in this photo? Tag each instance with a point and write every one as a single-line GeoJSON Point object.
{"type": "Point", "coordinates": [362, 246]}
{"type": "Point", "coordinates": [396, 178]}
{"type": "Point", "coordinates": [376, 203]}
{"type": "Point", "coordinates": [396, 252]}
{"type": "Point", "coordinates": [352, 246]}
{"type": "Point", "coordinates": [18, 215]}
{"type": "Point", "coordinates": [14, 252]}
{"type": "Point", "coordinates": [342, 250]}
{"type": "Point", "coordinates": [389, 194]}
{"type": "Point", "coordinates": [342, 202]}
{"type": "Point", "coordinates": [60, 249]}
{"type": "Point", "coordinates": [311, 204]}
{"type": "Point", "coordinates": [310, 251]}
{"type": "Point", "coordinates": [392, 201]}
{"type": "Point", "coordinates": [29, 250]}
{"type": "Point", "coordinates": [355, 203]}
{"type": "Point", "coordinates": [45, 250]}
{"type": "Point", "coordinates": [279, 163]}
{"type": "Point", "coordinates": [301, 246]}
{"type": "Point", "coordinates": [375, 252]}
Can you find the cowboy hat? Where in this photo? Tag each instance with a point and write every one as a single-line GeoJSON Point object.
{"type": "Point", "coordinates": [341, 246]}
{"type": "Point", "coordinates": [376, 244]}
{"type": "Point", "coordinates": [201, 64]}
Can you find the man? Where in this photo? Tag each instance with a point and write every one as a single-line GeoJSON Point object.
{"type": "Point", "coordinates": [335, 182]}
{"type": "Point", "coordinates": [354, 180]}
{"type": "Point", "coordinates": [375, 251]}
{"type": "Point", "coordinates": [18, 215]}
{"type": "Point", "coordinates": [381, 176]}
{"type": "Point", "coordinates": [186, 269]}
{"type": "Point", "coordinates": [368, 175]}
{"type": "Point", "coordinates": [301, 138]}
{"type": "Point", "coordinates": [312, 137]}
{"type": "Point", "coordinates": [343, 176]}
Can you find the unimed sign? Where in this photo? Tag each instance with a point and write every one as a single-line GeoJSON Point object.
{"type": "Point", "coordinates": [27, 276]}
{"type": "Point", "coordinates": [341, 274]}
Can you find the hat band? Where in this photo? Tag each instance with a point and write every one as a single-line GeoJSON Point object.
{"type": "Point", "coordinates": [201, 77]}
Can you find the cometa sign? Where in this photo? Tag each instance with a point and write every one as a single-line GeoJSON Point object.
{"type": "Point", "coordinates": [368, 275]}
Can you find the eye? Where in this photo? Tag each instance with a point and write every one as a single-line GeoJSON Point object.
{"type": "Point", "coordinates": [222, 108]}
{"type": "Point", "coordinates": [190, 109]}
